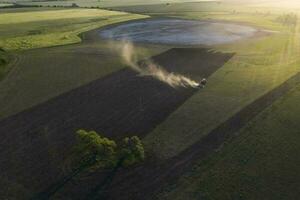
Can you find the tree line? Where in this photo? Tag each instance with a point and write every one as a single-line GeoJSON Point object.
{"type": "Point", "coordinates": [92, 152]}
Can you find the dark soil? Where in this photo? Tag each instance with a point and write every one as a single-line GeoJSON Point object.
{"type": "Point", "coordinates": [193, 62]}
{"type": "Point", "coordinates": [35, 142]}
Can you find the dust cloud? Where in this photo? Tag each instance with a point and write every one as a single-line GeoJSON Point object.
{"type": "Point", "coordinates": [149, 68]}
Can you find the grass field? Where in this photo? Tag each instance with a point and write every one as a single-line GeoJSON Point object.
{"type": "Point", "coordinates": [43, 28]}
{"type": "Point", "coordinates": [260, 163]}
{"type": "Point", "coordinates": [105, 3]}
{"type": "Point", "coordinates": [5, 4]}
{"type": "Point", "coordinates": [263, 158]}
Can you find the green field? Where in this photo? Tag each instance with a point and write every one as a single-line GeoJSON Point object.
{"type": "Point", "coordinates": [5, 4]}
{"type": "Point", "coordinates": [104, 3]}
{"type": "Point", "coordinates": [43, 28]}
{"type": "Point", "coordinates": [261, 162]}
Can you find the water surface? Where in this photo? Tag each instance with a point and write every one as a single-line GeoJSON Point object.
{"type": "Point", "coordinates": [179, 31]}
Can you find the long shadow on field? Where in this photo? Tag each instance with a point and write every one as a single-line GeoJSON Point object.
{"type": "Point", "coordinates": [146, 181]}
{"type": "Point", "coordinates": [35, 142]}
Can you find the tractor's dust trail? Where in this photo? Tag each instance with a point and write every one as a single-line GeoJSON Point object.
{"type": "Point", "coordinates": [149, 68]}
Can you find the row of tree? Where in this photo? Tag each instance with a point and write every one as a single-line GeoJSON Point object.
{"type": "Point", "coordinates": [102, 152]}
{"type": "Point", "coordinates": [94, 152]}
{"type": "Point", "coordinates": [288, 19]}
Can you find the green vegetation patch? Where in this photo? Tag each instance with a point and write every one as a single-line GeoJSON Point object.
{"type": "Point", "coordinates": [3, 5]}
{"type": "Point", "coordinates": [261, 163]}
{"type": "Point", "coordinates": [103, 3]}
{"type": "Point", "coordinates": [43, 28]}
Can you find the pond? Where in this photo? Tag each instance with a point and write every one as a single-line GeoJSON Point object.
{"type": "Point", "coordinates": [178, 32]}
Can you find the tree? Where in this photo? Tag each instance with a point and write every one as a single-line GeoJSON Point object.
{"type": "Point", "coordinates": [93, 151]}
{"type": "Point", "coordinates": [102, 152]}
{"type": "Point", "coordinates": [99, 151]}
{"type": "Point", "coordinates": [132, 151]}
{"type": "Point", "coordinates": [74, 5]}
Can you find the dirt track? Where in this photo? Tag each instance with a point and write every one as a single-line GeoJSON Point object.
{"type": "Point", "coordinates": [34, 143]}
